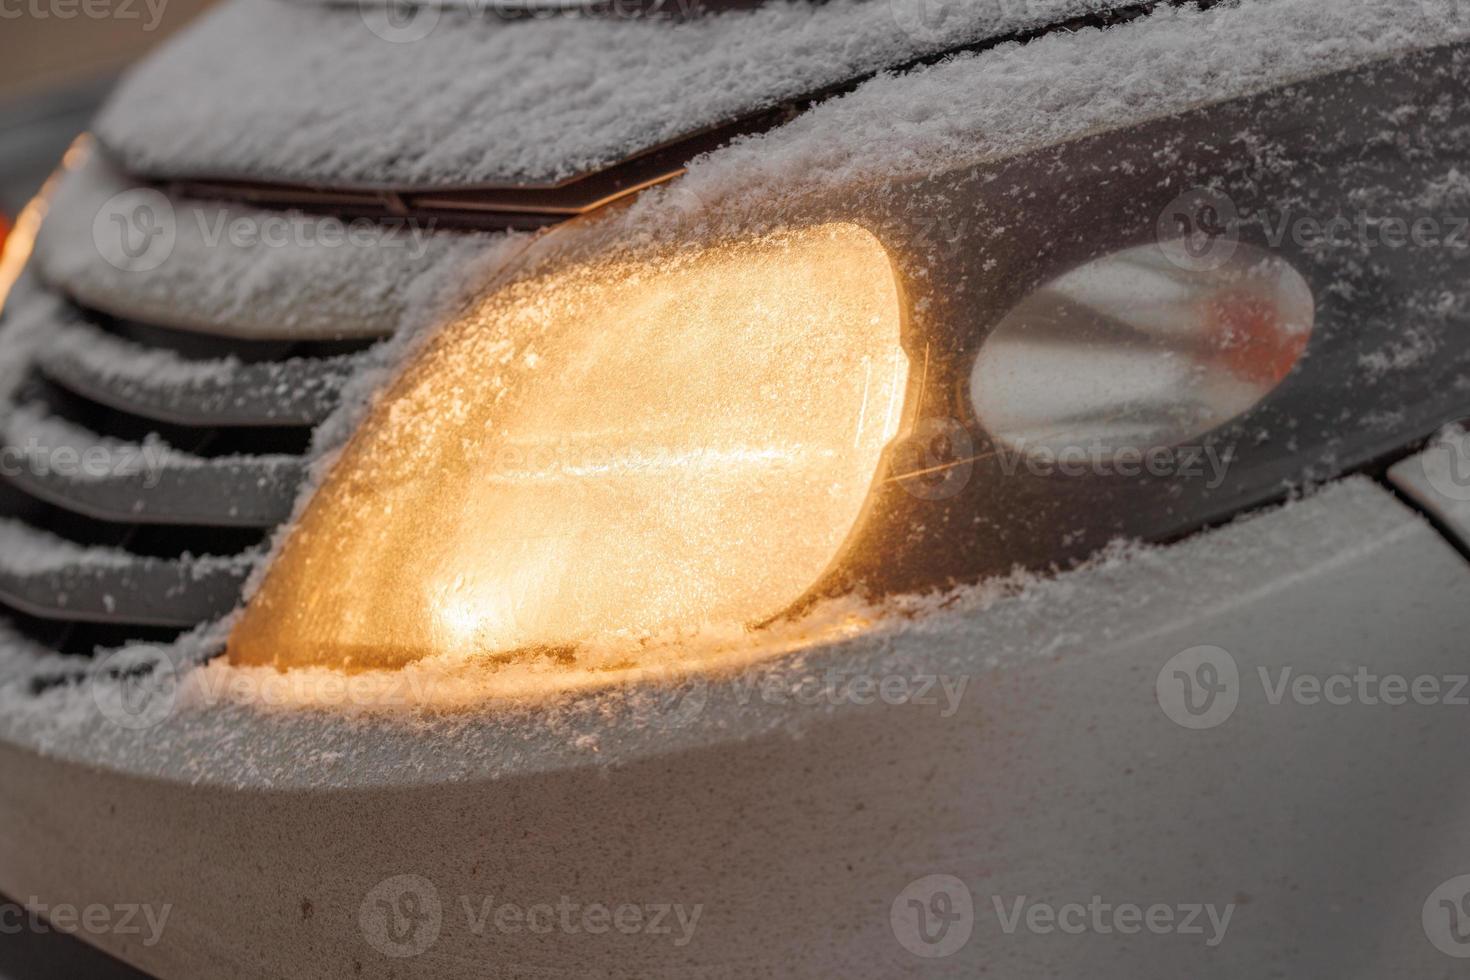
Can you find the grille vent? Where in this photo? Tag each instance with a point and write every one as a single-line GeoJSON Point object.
{"type": "Point", "coordinates": [145, 467]}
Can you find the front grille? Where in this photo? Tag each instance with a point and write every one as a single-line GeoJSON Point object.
{"type": "Point", "coordinates": [183, 395]}
{"type": "Point", "coordinates": [146, 468]}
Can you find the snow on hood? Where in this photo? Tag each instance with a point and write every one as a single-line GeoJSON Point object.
{"type": "Point", "coordinates": [268, 90]}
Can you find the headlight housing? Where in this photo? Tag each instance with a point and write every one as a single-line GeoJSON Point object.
{"type": "Point", "coordinates": [1320, 354]}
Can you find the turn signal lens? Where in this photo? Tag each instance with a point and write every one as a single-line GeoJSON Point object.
{"type": "Point", "coordinates": [600, 457]}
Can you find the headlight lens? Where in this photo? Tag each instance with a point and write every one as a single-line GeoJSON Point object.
{"type": "Point", "coordinates": [602, 454]}
{"type": "Point", "coordinates": [1134, 351]}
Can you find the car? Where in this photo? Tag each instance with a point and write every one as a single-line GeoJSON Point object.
{"type": "Point", "coordinates": [850, 489]}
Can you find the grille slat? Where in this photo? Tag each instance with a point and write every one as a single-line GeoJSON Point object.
{"type": "Point", "coordinates": [110, 480]}
{"type": "Point", "coordinates": [50, 578]}
{"type": "Point", "coordinates": [220, 363]}
{"type": "Point", "coordinates": [144, 467]}
{"type": "Point", "coordinates": [103, 521]}
{"type": "Point", "coordinates": [216, 287]}
{"type": "Point", "coordinates": [159, 385]}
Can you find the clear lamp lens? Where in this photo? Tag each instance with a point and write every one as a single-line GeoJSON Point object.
{"type": "Point", "coordinates": [1137, 351]}
{"type": "Point", "coordinates": [607, 454]}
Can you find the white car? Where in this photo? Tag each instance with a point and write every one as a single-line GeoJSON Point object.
{"type": "Point", "coordinates": [877, 488]}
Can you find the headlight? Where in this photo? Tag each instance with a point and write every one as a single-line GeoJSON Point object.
{"type": "Point", "coordinates": [601, 455]}
{"type": "Point", "coordinates": [1134, 334]}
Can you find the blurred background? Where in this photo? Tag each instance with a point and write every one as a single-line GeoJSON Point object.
{"type": "Point", "coordinates": [58, 59]}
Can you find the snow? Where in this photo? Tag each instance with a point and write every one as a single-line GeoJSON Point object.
{"type": "Point", "coordinates": [32, 430]}
{"type": "Point", "coordinates": [137, 371]}
{"type": "Point", "coordinates": [22, 659]}
{"type": "Point", "coordinates": [495, 101]}
{"type": "Point", "coordinates": [227, 726]}
{"type": "Point", "coordinates": [996, 104]}
{"type": "Point", "coordinates": [30, 314]}
{"type": "Point", "coordinates": [25, 551]}
{"type": "Point", "coordinates": [112, 358]}
{"type": "Point", "coordinates": [488, 100]}
{"type": "Point", "coordinates": [1435, 478]}
{"type": "Point", "coordinates": [1450, 191]}
{"type": "Point", "coordinates": [963, 111]}
{"type": "Point", "coordinates": [297, 287]}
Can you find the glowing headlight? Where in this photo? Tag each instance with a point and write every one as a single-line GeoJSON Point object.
{"type": "Point", "coordinates": [601, 455]}
{"type": "Point", "coordinates": [1133, 334]}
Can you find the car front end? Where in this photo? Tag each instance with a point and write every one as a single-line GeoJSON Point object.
{"type": "Point", "coordinates": [857, 489]}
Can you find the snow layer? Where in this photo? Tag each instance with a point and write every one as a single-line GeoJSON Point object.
{"type": "Point", "coordinates": [24, 550]}
{"type": "Point", "coordinates": [31, 429]}
{"type": "Point", "coordinates": [30, 314]}
{"type": "Point", "coordinates": [139, 373]}
{"type": "Point", "coordinates": [965, 110]}
{"type": "Point", "coordinates": [282, 275]}
{"type": "Point", "coordinates": [263, 89]}
{"type": "Point", "coordinates": [1007, 101]}
{"type": "Point", "coordinates": [255, 727]}
{"type": "Point", "coordinates": [109, 357]}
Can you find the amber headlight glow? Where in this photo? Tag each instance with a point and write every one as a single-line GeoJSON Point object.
{"type": "Point", "coordinates": [601, 457]}
{"type": "Point", "coordinates": [1131, 335]}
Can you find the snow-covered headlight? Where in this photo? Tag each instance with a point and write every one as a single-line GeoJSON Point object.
{"type": "Point", "coordinates": [609, 452]}
{"type": "Point", "coordinates": [891, 381]}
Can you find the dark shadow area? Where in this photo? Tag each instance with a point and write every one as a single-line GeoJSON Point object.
{"type": "Point", "coordinates": [31, 953]}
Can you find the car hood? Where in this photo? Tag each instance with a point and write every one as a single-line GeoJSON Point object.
{"type": "Point", "coordinates": [360, 96]}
